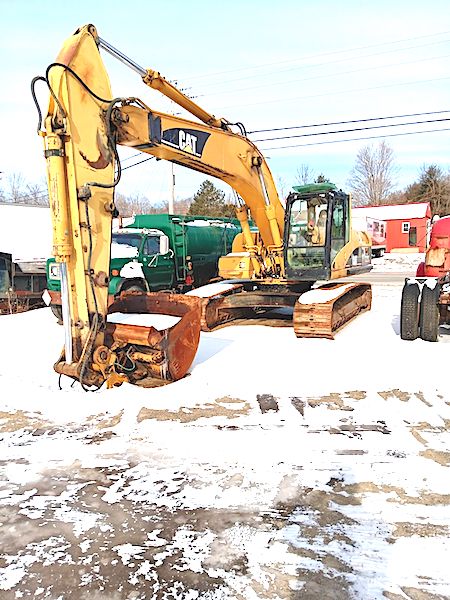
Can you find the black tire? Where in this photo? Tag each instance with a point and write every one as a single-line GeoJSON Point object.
{"type": "Point", "coordinates": [134, 288]}
{"type": "Point", "coordinates": [57, 311]}
{"type": "Point", "coordinates": [409, 313]}
{"type": "Point", "coordinates": [429, 314]}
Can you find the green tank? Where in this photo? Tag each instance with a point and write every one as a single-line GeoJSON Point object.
{"type": "Point", "coordinates": [196, 242]}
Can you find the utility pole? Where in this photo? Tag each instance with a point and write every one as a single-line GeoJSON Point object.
{"type": "Point", "coordinates": [172, 172]}
{"type": "Point", "coordinates": [172, 190]}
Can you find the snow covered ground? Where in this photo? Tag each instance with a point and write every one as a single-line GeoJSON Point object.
{"type": "Point", "coordinates": [280, 468]}
{"type": "Point", "coordinates": [397, 262]}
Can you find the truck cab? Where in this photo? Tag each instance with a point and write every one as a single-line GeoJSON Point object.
{"type": "Point", "coordinates": [151, 264]}
{"type": "Point", "coordinates": [140, 260]}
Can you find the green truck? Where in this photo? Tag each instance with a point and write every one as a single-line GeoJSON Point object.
{"type": "Point", "coordinates": [159, 252]}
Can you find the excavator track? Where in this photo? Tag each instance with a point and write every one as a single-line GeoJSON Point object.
{"type": "Point", "coordinates": [318, 313]}
{"type": "Point", "coordinates": [323, 311]}
{"type": "Point", "coordinates": [226, 302]}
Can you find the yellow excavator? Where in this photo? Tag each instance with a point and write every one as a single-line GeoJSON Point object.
{"type": "Point", "coordinates": [308, 240]}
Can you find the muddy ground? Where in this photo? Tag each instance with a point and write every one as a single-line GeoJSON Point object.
{"type": "Point", "coordinates": [89, 512]}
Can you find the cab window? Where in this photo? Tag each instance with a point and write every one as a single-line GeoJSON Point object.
{"type": "Point", "coordinates": [308, 223]}
{"type": "Point", "coordinates": [338, 237]}
{"type": "Point", "coordinates": [151, 245]}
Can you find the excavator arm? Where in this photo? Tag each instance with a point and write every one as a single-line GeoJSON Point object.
{"type": "Point", "coordinates": [80, 176]}
{"type": "Point", "coordinates": [80, 144]}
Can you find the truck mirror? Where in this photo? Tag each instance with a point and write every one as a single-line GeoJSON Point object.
{"type": "Point", "coordinates": [163, 244]}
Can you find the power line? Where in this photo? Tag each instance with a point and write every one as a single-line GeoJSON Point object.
{"type": "Point", "coordinates": [374, 137]}
{"type": "Point", "coordinates": [285, 137]}
{"type": "Point", "coordinates": [317, 55]}
{"type": "Point", "coordinates": [337, 92]}
{"type": "Point", "coordinates": [433, 112]}
{"type": "Point", "coordinates": [322, 76]}
{"type": "Point", "coordinates": [122, 160]}
{"type": "Point", "coordinates": [138, 163]}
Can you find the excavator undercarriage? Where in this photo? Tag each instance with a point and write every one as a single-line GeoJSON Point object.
{"type": "Point", "coordinates": [320, 312]}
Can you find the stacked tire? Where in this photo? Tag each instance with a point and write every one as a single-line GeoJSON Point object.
{"type": "Point", "coordinates": [419, 315]}
{"type": "Point", "coordinates": [429, 314]}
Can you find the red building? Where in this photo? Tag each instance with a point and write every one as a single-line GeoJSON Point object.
{"type": "Point", "coordinates": [407, 225]}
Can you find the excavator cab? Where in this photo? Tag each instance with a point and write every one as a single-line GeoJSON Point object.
{"type": "Point", "coordinates": [316, 228]}
{"type": "Point", "coordinates": [319, 242]}
{"type": "Point", "coordinates": [320, 245]}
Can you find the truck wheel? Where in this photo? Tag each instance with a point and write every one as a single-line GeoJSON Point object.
{"type": "Point", "coordinates": [429, 314]}
{"type": "Point", "coordinates": [57, 311]}
{"type": "Point", "coordinates": [409, 313]}
{"type": "Point", "coordinates": [134, 288]}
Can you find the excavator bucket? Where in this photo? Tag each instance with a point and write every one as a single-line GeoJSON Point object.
{"type": "Point", "coordinates": [154, 336]}
{"type": "Point", "coordinates": [323, 311]}
{"type": "Point", "coordinates": [150, 340]}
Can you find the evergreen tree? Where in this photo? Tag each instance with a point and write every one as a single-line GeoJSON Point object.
{"type": "Point", "coordinates": [209, 201]}
{"type": "Point", "coordinates": [321, 179]}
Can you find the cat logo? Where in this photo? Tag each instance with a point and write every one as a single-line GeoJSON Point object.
{"type": "Point", "coordinates": [187, 142]}
{"type": "Point", "coordinates": [190, 141]}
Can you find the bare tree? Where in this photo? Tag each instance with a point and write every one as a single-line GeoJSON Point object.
{"type": "Point", "coordinates": [135, 204]}
{"type": "Point", "coordinates": [434, 187]}
{"type": "Point", "coordinates": [36, 195]}
{"type": "Point", "coordinates": [181, 207]}
{"type": "Point", "coordinates": [283, 188]}
{"type": "Point", "coordinates": [141, 205]}
{"type": "Point", "coordinates": [372, 177]}
{"type": "Point", "coordinates": [16, 188]}
{"type": "Point", "coordinates": [18, 191]}
{"type": "Point", "coordinates": [304, 174]}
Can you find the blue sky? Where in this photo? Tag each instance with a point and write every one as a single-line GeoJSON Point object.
{"type": "Point", "coordinates": [269, 65]}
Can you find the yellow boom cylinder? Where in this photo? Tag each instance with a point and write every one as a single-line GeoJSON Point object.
{"type": "Point", "coordinates": [57, 186]}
